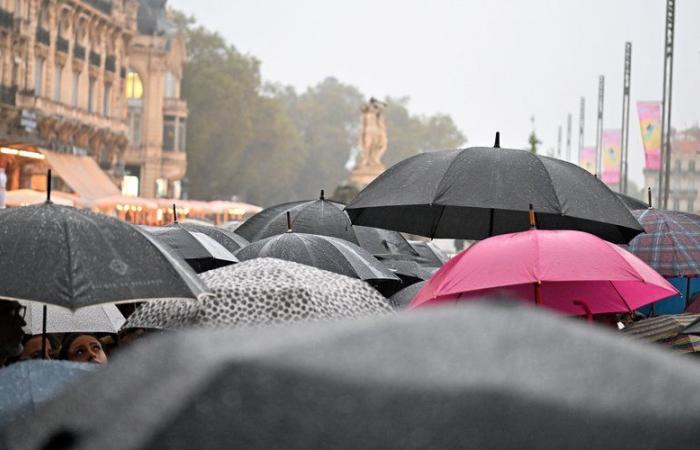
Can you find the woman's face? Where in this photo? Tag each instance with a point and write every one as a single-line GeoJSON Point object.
{"type": "Point", "coordinates": [32, 349]}
{"type": "Point", "coordinates": [86, 348]}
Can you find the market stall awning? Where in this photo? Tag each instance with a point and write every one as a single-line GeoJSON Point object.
{"type": "Point", "coordinates": [82, 175]}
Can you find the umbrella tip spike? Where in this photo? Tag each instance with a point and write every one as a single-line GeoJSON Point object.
{"type": "Point", "coordinates": [532, 217]}
{"type": "Point", "coordinates": [289, 222]}
{"type": "Point", "coordinates": [48, 186]}
{"type": "Point", "coordinates": [174, 213]}
{"type": "Point", "coordinates": [323, 196]}
{"type": "Point", "coordinates": [649, 196]}
{"type": "Point", "coordinates": [497, 142]}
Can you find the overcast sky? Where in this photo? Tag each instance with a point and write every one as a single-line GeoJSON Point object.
{"type": "Point", "coordinates": [491, 64]}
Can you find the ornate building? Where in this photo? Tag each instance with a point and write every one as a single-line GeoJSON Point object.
{"type": "Point", "coordinates": [88, 85]}
{"type": "Point", "coordinates": [155, 159]}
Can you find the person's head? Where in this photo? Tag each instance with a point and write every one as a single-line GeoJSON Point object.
{"type": "Point", "coordinates": [82, 347]}
{"type": "Point", "coordinates": [129, 335]}
{"type": "Point", "coordinates": [11, 323]}
{"type": "Point", "coordinates": [32, 348]}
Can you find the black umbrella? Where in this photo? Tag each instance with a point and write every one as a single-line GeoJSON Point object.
{"type": "Point", "coordinates": [73, 258]}
{"type": "Point", "coordinates": [228, 239]}
{"type": "Point", "coordinates": [480, 192]}
{"type": "Point", "coordinates": [693, 328]}
{"type": "Point", "coordinates": [323, 217]}
{"type": "Point", "coordinates": [323, 252]}
{"type": "Point", "coordinates": [476, 376]}
{"type": "Point", "coordinates": [431, 253]}
{"type": "Point", "coordinates": [631, 203]}
{"type": "Point", "coordinates": [200, 251]}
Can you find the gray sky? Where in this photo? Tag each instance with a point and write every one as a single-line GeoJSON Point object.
{"type": "Point", "coordinates": [491, 64]}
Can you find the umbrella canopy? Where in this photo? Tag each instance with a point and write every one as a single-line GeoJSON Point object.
{"type": "Point", "coordinates": [683, 343]}
{"type": "Point", "coordinates": [671, 242]}
{"type": "Point", "coordinates": [229, 240]}
{"type": "Point", "coordinates": [265, 291]}
{"type": "Point", "coordinates": [74, 258]}
{"type": "Point", "coordinates": [26, 385]}
{"type": "Point", "coordinates": [693, 328]}
{"type": "Point", "coordinates": [96, 319]}
{"type": "Point", "coordinates": [200, 251]}
{"type": "Point", "coordinates": [323, 217]}
{"type": "Point", "coordinates": [421, 380]}
{"type": "Point", "coordinates": [408, 271]}
{"type": "Point", "coordinates": [631, 203]}
{"type": "Point", "coordinates": [402, 298]}
{"type": "Point", "coordinates": [568, 271]}
{"type": "Point", "coordinates": [655, 329]}
{"type": "Point", "coordinates": [480, 192]}
{"type": "Point", "coordinates": [433, 256]}
{"type": "Point", "coordinates": [323, 252]}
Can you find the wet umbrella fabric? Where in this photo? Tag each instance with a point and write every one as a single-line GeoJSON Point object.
{"type": "Point", "coordinates": [693, 328]}
{"type": "Point", "coordinates": [74, 258]}
{"type": "Point", "coordinates": [26, 385]}
{"type": "Point", "coordinates": [97, 319]}
{"type": "Point", "coordinates": [431, 253]}
{"type": "Point", "coordinates": [390, 383]}
{"type": "Point", "coordinates": [408, 271]}
{"type": "Point", "coordinates": [265, 291]}
{"type": "Point", "coordinates": [323, 252]}
{"type": "Point", "coordinates": [572, 272]}
{"type": "Point", "coordinates": [480, 192]}
{"type": "Point", "coordinates": [402, 298]}
{"type": "Point", "coordinates": [655, 329]}
{"type": "Point", "coordinates": [323, 217]}
{"type": "Point", "coordinates": [200, 251]}
{"type": "Point", "coordinates": [631, 203]}
{"type": "Point", "coordinates": [228, 239]}
{"type": "Point", "coordinates": [671, 242]}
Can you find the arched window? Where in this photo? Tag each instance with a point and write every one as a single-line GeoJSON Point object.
{"type": "Point", "coordinates": [134, 86]}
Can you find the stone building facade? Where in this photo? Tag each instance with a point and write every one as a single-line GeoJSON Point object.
{"type": "Point", "coordinates": [684, 181]}
{"type": "Point", "coordinates": [65, 71]}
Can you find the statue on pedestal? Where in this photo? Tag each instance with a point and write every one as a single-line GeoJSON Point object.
{"type": "Point", "coordinates": [372, 144]}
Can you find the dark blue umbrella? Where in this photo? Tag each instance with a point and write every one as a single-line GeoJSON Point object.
{"type": "Point", "coordinates": [24, 386]}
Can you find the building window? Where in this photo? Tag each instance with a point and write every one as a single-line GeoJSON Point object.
{"type": "Point", "coordinates": [161, 188]}
{"type": "Point", "coordinates": [134, 86]}
{"type": "Point", "coordinates": [134, 117]}
{"type": "Point", "coordinates": [38, 76]}
{"type": "Point", "coordinates": [91, 95]}
{"type": "Point", "coordinates": [691, 166]}
{"type": "Point", "coordinates": [57, 78]}
{"type": "Point", "coordinates": [691, 205]}
{"type": "Point", "coordinates": [169, 133]}
{"type": "Point", "coordinates": [105, 99]}
{"type": "Point", "coordinates": [170, 90]}
{"type": "Point", "coordinates": [75, 89]}
{"type": "Point", "coordinates": [130, 182]}
{"type": "Point", "coordinates": [181, 134]}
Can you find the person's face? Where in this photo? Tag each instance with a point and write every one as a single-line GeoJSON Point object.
{"type": "Point", "coordinates": [86, 348]}
{"type": "Point", "coordinates": [11, 323]}
{"type": "Point", "coordinates": [32, 349]}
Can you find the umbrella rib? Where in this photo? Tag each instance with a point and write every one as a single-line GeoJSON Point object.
{"type": "Point", "coordinates": [551, 183]}
{"type": "Point", "coordinates": [436, 222]}
{"type": "Point", "coordinates": [70, 262]}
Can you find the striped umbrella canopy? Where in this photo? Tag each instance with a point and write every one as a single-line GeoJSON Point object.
{"type": "Point", "coordinates": [688, 343]}
{"type": "Point", "coordinates": [671, 242]}
{"type": "Point", "coordinates": [660, 328]}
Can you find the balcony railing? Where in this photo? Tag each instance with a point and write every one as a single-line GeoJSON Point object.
{"type": "Point", "coordinates": [8, 94]}
{"type": "Point", "coordinates": [95, 59]}
{"type": "Point", "coordinates": [62, 44]}
{"type": "Point", "coordinates": [6, 19]}
{"type": "Point", "coordinates": [111, 63]}
{"type": "Point", "coordinates": [79, 52]}
{"type": "Point", "coordinates": [42, 36]}
{"type": "Point", "coordinates": [101, 5]}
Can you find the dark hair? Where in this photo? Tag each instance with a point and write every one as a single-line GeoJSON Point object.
{"type": "Point", "coordinates": [67, 340]}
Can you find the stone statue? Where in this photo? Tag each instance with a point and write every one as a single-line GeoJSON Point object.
{"type": "Point", "coordinates": [373, 141]}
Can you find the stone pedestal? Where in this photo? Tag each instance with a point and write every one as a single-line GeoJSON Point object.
{"type": "Point", "coordinates": [362, 176]}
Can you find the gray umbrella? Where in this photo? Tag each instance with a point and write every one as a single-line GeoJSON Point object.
{"type": "Point", "coordinates": [322, 217]}
{"type": "Point", "coordinates": [97, 319]}
{"type": "Point", "coordinates": [480, 192]}
{"type": "Point", "coordinates": [323, 252]}
{"type": "Point", "coordinates": [470, 376]}
{"type": "Point", "coordinates": [26, 385]}
{"type": "Point", "coordinates": [265, 291]}
{"type": "Point", "coordinates": [200, 251]}
{"type": "Point", "coordinates": [402, 298]}
{"type": "Point", "coordinates": [230, 240]}
{"type": "Point", "coordinates": [74, 258]}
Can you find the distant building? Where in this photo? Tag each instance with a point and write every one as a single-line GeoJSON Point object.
{"type": "Point", "coordinates": [155, 160]}
{"type": "Point", "coordinates": [685, 168]}
{"type": "Point", "coordinates": [91, 89]}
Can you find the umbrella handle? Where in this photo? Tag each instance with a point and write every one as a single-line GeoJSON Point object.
{"type": "Point", "coordinates": [586, 309]}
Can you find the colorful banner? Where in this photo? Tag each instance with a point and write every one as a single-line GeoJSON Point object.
{"type": "Point", "coordinates": [586, 159]}
{"type": "Point", "coordinates": [612, 155]}
{"type": "Point", "coordinates": [650, 125]}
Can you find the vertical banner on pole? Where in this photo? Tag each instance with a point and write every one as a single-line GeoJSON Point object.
{"type": "Point", "coordinates": [650, 126]}
{"type": "Point", "coordinates": [612, 154]}
{"type": "Point", "coordinates": [587, 158]}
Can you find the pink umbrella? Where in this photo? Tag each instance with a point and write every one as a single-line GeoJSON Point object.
{"type": "Point", "coordinates": [572, 272]}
